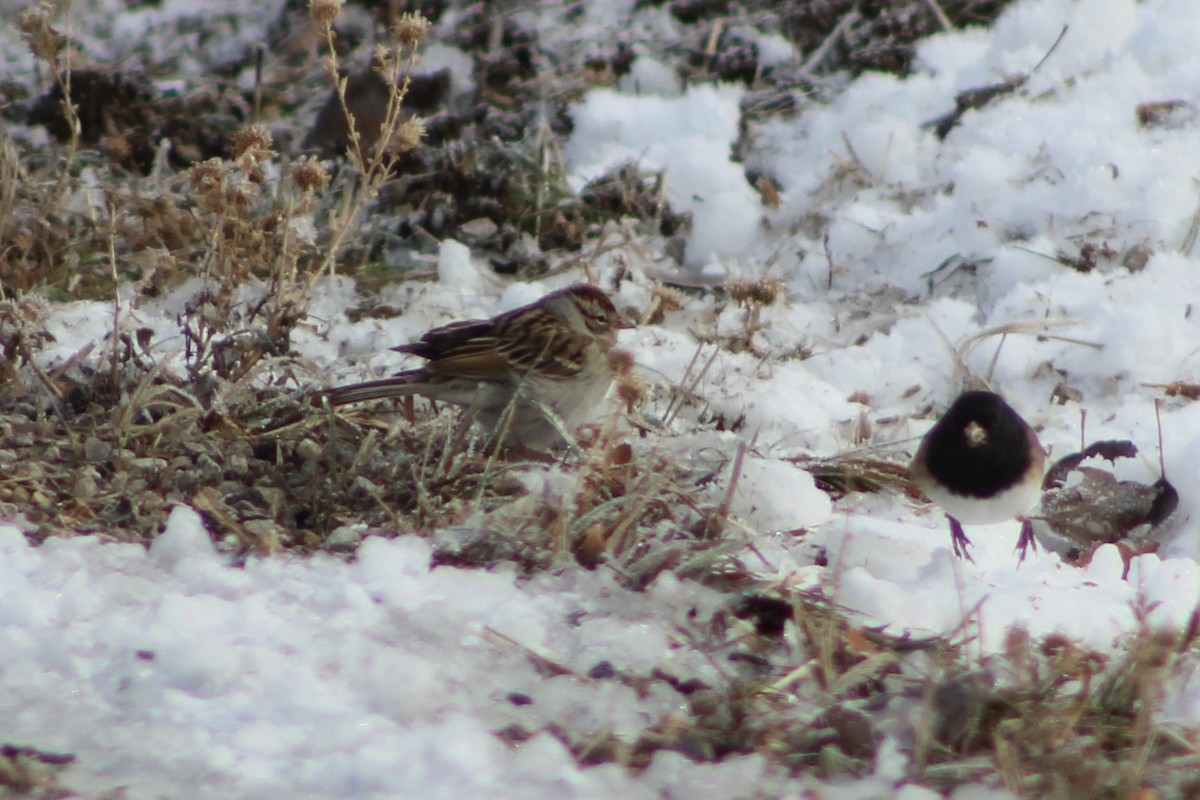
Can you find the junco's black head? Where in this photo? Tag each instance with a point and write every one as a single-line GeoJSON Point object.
{"type": "Point", "coordinates": [981, 462]}
{"type": "Point", "coordinates": [981, 447]}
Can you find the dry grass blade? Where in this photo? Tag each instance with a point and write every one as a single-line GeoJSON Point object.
{"type": "Point", "coordinates": [845, 473]}
{"type": "Point", "coordinates": [545, 665]}
{"type": "Point", "coordinates": [680, 394]}
{"type": "Point", "coordinates": [1040, 328]}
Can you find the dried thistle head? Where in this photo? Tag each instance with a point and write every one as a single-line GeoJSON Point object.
{"type": "Point", "coordinates": [383, 60]}
{"type": "Point", "coordinates": [410, 29]}
{"type": "Point", "coordinates": [324, 12]}
{"type": "Point", "coordinates": [44, 42]}
{"type": "Point", "coordinates": [252, 145]}
{"type": "Point", "coordinates": [409, 134]}
{"type": "Point", "coordinates": [620, 362]}
{"type": "Point", "coordinates": [1018, 645]}
{"type": "Point", "coordinates": [663, 301]}
{"type": "Point", "coordinates": [762, 292]}
{"type": "Point", "coordinates": [670, 299]}
{"type": "Point", "coordinates": [252, 141]}
{"type": "Point", "coordinates": [208, 178]}
{"type": "Point", "coordinates": [208, 175]}
{"type": "Point", "coordinates": [309, 175]}
{"type": "Point", "coordinates": [631, 391]}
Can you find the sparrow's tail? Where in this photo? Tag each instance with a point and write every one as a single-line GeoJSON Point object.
{"type": "Point", "coordinates": [402, 385]}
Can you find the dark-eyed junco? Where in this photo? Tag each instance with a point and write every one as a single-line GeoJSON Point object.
{"type": "Point", "coordinates": [981, 463]}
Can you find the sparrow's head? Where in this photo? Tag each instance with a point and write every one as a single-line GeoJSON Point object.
{"type": "Point", "coordinates": [587, 310]}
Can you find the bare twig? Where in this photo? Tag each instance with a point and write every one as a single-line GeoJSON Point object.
{"type": "Point", "coordinates": [942, 19]}
{"type": "Point", "coordinates": [813, 61]}
{"type": "Point", "coordinates": [1162, 464]}
{"type": "Point", "coordinates": [1061, 35]}
{"type": "Point", "coordinates": [1189, 238]}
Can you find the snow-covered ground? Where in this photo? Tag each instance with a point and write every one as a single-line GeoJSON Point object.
{"type": "Point", "coordinates": [172, 673]}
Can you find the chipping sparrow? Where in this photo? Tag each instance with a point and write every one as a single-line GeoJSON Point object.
{"type": "Point", "coordinates": [982, 463]}
{"type": "Point", "coordinates": [531, 374]}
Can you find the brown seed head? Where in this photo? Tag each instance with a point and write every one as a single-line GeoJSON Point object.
{"type": "Point", "coordinates": [631, 392]}
{"type": "Point", "coordinates": [208, 176]}
{"type": "Point", "coordinates": [762, 292]}
{"type": "Point", "coordinates": [410, 29]}
{"type": "Point", "coordinates": [620, 362]}
{"type": "Point", "coordinates": [409, 135]}
{"type": "Point", "coordinates": [309, 175]}
{"type": "Point", "coordinates": [253, 141]}
{"type": "Point", "coordinates": [44, 42]}
{"type": "Point", "coordinates": [324, 12]}
{"type": "Point", "coordinates": [383, 60]}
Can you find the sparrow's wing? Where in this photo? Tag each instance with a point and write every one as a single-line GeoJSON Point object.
{"type": "Point", "coordinates": [540, 342]}
{"type": "Point", "coordinates": [449, 338]}
{"type": "Point", "coordinates": [501, 349]}
{"type": "Point", "coordinates": [460, 350]}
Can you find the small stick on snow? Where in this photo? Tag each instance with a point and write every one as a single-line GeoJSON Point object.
{"type": "Point", "coordinates": [1162, 464]}
{"type": "Point", "coordinates": [818, 55]}
{"type": "Point", "coordinates": [1189, 238]}
{"type": "Point", "coordinates": [1061, 35]}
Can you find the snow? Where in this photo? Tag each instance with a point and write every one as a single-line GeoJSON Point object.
{"type": "Point", "coordinates": [455, 268]}
{"type": "Point", "coordinates": [650, 76]}
{"type": "Point", "coordinates": [436, 56]}
{"type": "Point", "coordinates": [328, 678]}
{"type": "Point", "coordinates": [691, 138]}
{"type": "Point", "coordinates": [774, 495]}
{"type": "Point", "coordinates": [383, 677]}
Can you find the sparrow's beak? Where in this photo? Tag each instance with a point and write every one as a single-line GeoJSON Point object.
{"type": "Point", "coordinates": [624, 324]}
